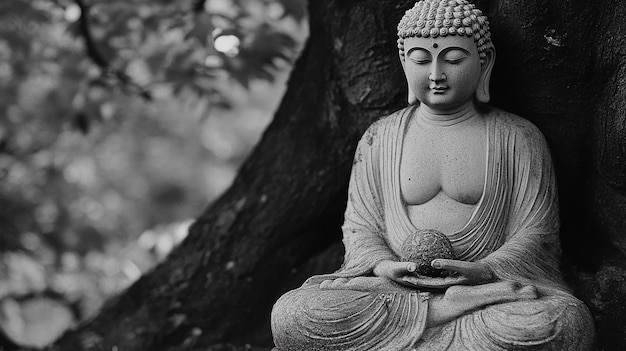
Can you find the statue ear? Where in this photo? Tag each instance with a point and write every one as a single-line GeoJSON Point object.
{"type": "Point", "coordinates": [412, 99]}
{"type": "Point", "coordinates": [482, 93]}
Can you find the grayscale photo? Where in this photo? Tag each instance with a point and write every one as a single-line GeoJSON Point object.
{"type": "Point", "coordinates": [312, 175]}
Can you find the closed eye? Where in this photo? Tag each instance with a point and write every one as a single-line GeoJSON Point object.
{"type": "Point", "coordinates": [455, 56]}
{"type": "Point", "coordinates": [419, 56]}
{"type": "Point", "coordinates": [455, 61]}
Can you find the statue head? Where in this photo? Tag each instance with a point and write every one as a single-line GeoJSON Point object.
{"type": "Point", "coordinates": [443, 40]}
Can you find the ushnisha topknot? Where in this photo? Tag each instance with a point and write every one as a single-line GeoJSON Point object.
{"type": "Point", "coordinates": [440, 18]}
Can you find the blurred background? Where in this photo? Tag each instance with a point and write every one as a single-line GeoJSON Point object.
{"type": "Point", "coordinates": [120, 121]}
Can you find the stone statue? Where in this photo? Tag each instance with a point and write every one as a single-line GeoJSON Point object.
{"type": "Point", "coordinates": [446, 172]}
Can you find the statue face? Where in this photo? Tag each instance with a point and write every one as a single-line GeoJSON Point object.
{"type": "Point", "coordinates": [442, 72]}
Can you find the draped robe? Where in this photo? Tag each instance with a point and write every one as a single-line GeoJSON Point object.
{"type": "Point", "coordinates": [514, 229]}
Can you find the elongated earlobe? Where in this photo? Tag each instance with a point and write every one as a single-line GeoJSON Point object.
{"type": "Point", "coordinates": [411, 98]}
{"type": "Point", "coordinates": [482, 92]}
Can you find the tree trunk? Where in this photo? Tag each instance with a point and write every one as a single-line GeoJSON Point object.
{"type": "Point", "coordinates": [559, 63]}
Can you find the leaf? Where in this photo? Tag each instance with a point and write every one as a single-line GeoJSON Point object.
{"type": "Point", "coordinates": [256, 59]}
{"type": "Point", "coordinates": [294, 8]}
{"type": "Point", "coordinates": [202, 28]}
{"type": "Point", "coordinates": [24, 10]}
{"type": "Point", "coordinates": [19, 21]}
{"type": "Point", "coordinates": [82, 123]}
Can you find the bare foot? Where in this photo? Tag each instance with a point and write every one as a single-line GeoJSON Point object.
{"type": "Point", "coordinates": [529, 292]}
{"type": "Point", "coordinates": [487, 294]}
{"type": "Point", "coordinates": [460, 299]}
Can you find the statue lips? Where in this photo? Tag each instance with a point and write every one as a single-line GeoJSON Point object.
{"type": "Point", "coordinates": [438, 89]}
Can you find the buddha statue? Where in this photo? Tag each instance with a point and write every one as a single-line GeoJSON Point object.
{"type": "Point", "coordinates": [454, 169]}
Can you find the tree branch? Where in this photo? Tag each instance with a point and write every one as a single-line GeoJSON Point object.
{"type": "Point", "coordinates": [198, 6]}
{"type": "Point", "coordinates": [84, 23]}
{"type": "Point", "coordinates": [99, 59]}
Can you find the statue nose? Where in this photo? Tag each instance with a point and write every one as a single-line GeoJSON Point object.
{"type": "Point", "coordinates": [437, 77]}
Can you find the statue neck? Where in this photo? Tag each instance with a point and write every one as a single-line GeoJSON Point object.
{"type": "Point", "coordinates": [445, 118]}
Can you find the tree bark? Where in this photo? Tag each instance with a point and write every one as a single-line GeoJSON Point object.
{"type": "Point", "coordinates": [559, 63]}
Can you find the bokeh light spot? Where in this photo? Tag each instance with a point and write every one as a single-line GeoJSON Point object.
{"type": "Point", "coordinates": [72, 13]}
{"type": "Point", "coordinates": [227, 44]}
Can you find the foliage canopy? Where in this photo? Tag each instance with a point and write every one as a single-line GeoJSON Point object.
{"type": "Point", "coordinates": [126, 117]}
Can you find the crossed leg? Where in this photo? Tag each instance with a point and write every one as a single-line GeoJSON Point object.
{"type": "Point", "coordinates": [457, 300]}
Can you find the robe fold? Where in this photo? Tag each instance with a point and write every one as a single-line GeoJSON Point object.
{"type": "Point", "coordinates": [514, 229]}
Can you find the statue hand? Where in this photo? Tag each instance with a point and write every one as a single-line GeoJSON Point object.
{"type": "Point", "coordinates": [464, 273]}
{"type": "Point", "coordinates": [395, 271]}
{"type": "Point", "coordinates": [474, 272]}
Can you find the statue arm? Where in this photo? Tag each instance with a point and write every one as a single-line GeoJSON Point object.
{"type": "Point", "coordinates": [532, 249]}
{"type": "Point", "coordinates": [364, 228]}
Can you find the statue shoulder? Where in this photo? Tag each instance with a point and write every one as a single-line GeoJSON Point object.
{"type": "Point", "coordinates": [369, 146]}
{"type": "Point", "coordinates": [525, 132]}
{"type": "Point", "coordinates": [395, 117]}
{"type": "Point", "coordinates": [376, 130]}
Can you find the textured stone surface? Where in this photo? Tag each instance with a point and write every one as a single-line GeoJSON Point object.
{"type": "Point", "coordinates": [425, 245]}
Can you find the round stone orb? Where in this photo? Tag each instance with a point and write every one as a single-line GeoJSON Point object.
{"type": "Point", "coordinates": [425, 245]}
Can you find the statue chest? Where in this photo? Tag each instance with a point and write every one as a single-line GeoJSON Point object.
{"type": "Point", "coordinates": [443, 163]}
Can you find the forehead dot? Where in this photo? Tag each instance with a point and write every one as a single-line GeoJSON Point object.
{"type": "Point", "coordinates": [435, 45]}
